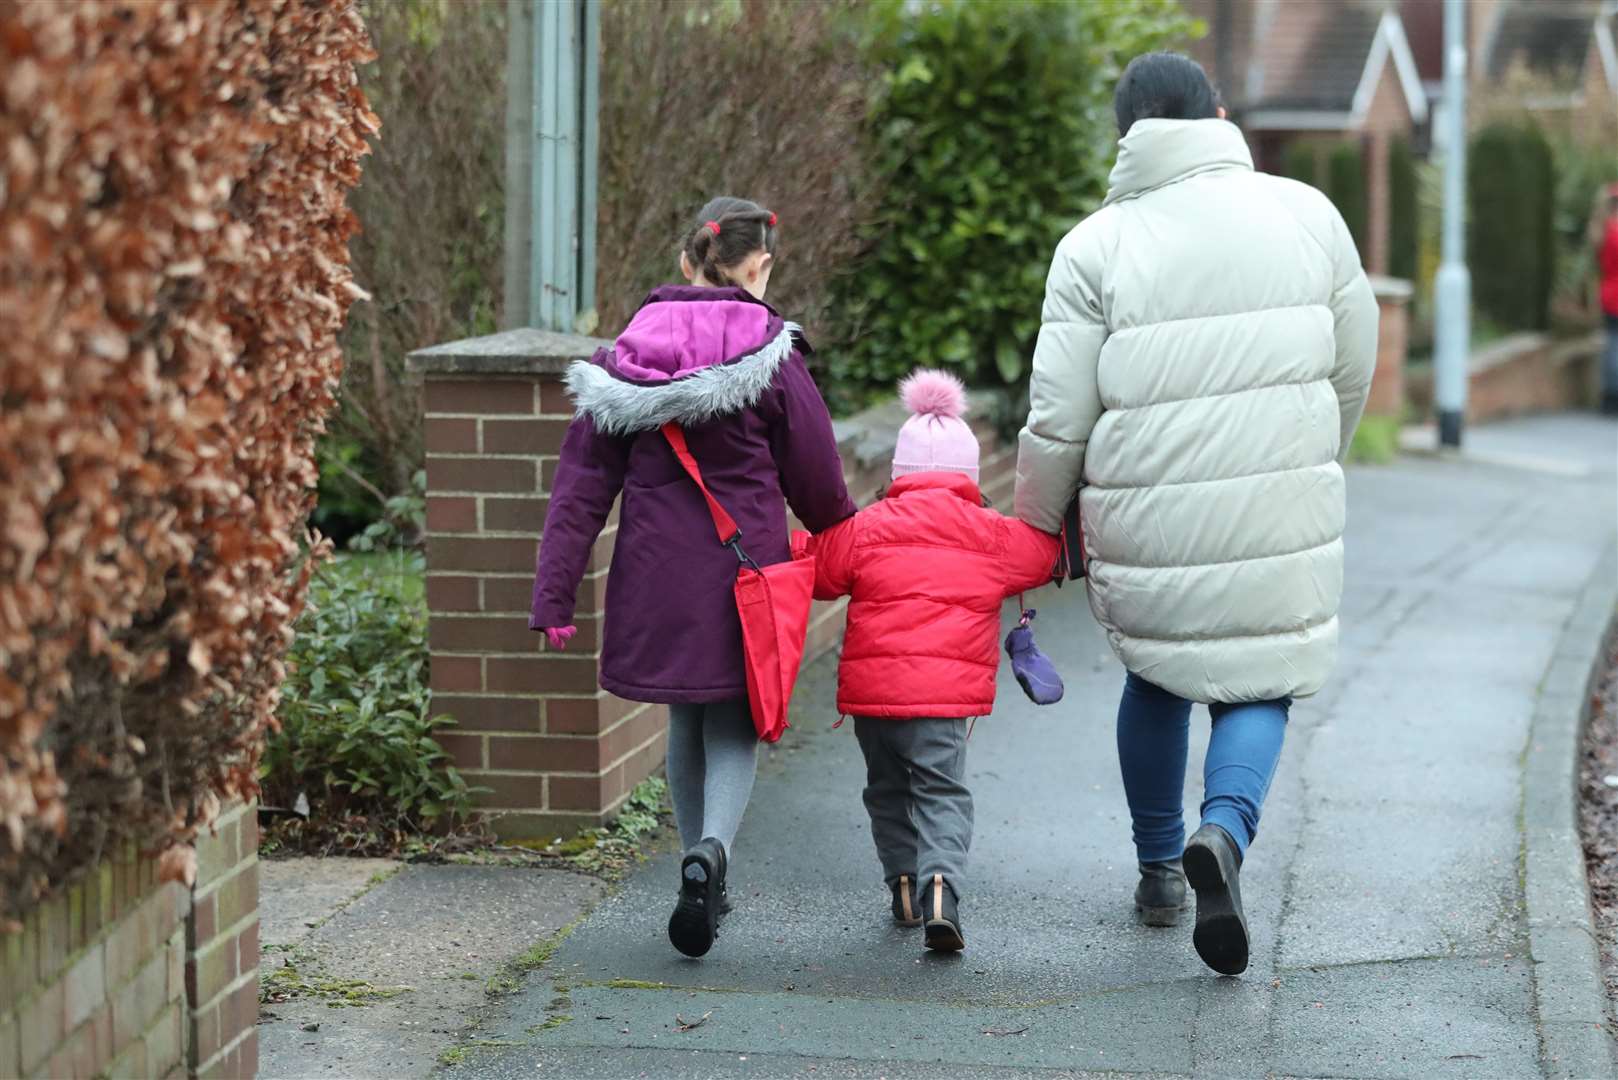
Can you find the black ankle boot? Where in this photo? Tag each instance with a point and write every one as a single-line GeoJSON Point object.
{"type": "Point", "coordinates": [695, 922]}
{"type": "Point", "coordinates": [1161, 893]}
{"type": "Point", "coordinates": [906, 905]}
{"type": "Point", "coordinates": [1213, 867]}
{"type": "Point", "coordinates": [938, 912]}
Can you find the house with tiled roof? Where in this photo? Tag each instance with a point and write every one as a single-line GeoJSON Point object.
{"type": "Point", "coordinates": [1562, 52]}
{"type": "Point", "coordinates": [1369, 73]}
{"type": "Point", "coordinates": [1324, 71]}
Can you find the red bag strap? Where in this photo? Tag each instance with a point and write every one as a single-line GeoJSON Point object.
{"type": "Point", "coordinates": [723, 523]}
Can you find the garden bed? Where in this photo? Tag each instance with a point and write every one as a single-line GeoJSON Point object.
{"type": "Point", "coordinates": [1598, 810]}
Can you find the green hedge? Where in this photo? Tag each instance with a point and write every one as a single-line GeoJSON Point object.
{"type": "Point", "coordinates": [1345, 186]}
{"type": "Point", "coordinates": [1404, 225]}
{"type": "Point", "coordinates": [1511, 195]}
{"type": "Point", "coordinates": [1302, 162]}
{"type": "Point", "coordinates": [994, 136]}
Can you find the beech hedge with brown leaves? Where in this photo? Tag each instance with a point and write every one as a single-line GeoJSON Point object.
{"type": "Point", "coordinates": [173, 275]}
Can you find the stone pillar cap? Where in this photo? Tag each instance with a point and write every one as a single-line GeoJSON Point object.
{"type": "Point", "coordinates": [1391, 288]}
{"type": "Point", "coordinates": [526, 350]}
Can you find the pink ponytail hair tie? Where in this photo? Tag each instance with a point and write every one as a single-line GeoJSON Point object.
{"type": "Point", "coordinates": [713, 226]}
{"type": "Point", "coordinates": [772, 220]}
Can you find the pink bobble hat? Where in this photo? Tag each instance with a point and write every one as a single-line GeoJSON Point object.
{"type": "Point", "coordinates": [935, 438]}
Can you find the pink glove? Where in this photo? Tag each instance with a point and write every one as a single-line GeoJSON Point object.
{"type": "Point", "coordinates": [559, 636]}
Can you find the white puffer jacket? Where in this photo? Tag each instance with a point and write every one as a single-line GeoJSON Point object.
{"type": "Point", "coordinates": [1207, 345]}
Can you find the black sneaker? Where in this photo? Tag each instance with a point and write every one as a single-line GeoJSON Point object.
{"type": "Point", "coordinates": [938, 912]}
{"type": "Point", "coordinates": [1160, 896]}
{"type": "Point", "coordinates": [906, 911]}
{"type": "Point", "coordinates": [1213, 867]}
{"type": "Point", "coordinates": [695, 922]}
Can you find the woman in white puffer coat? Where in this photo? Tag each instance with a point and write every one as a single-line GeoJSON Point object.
{"type": "Point", "coordinates": [1207, 344]}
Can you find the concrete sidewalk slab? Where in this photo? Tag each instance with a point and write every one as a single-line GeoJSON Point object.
{"type": "Point", "coordinates": [390, 979]}
{"type": "Point", "coordinates": [298, 894]}
{"type": "Point", "coordinates": [1391, 933]}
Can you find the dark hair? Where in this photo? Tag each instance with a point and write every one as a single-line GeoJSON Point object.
{"type": "Point", "coordinates": [1163, 84]}
{"type": "Point", "coordinates": [727, 230]}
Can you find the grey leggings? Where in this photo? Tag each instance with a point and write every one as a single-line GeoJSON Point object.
{"type": "Point", "coordinates": [713, 754]}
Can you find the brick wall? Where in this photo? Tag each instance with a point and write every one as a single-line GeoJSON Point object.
{"type": "Point", "coordinates": [555, 752]}
{"type": "Point", "coordinates": [98, 979]}
{"type": "Point", "coordinates": [1524, 373]}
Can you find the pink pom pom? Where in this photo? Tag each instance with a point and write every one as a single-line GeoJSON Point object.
{"type": "Point", "coordinates": [927, 392]}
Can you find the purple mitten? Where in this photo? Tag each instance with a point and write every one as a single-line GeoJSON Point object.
{"type": "Point", "coordinates": [1034, 670]}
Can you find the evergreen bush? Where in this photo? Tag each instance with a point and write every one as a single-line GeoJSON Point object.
{"type": "Point", "coordinates": [993, 136]}
{"type": "Point", "coordinates": [1345, 186]}
{"type": "Point", "coordinates": [1511, 194]}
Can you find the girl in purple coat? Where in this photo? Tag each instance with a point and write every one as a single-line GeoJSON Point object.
{"type": "Point", "coordinates": [716, 359]}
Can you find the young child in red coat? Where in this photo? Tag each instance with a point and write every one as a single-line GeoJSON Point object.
{"type": "Point", "coordinates": [928, 567]}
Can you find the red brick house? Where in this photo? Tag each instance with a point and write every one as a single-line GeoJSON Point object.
{"type": "Point", "coordinates": [1563, 53]}
{"type": "Point", "coordinates": [1290, 69]}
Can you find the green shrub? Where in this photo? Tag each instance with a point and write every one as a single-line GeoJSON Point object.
{"type": "Point", "coordinates": [1345, 186]}
{"type": "Point", "coordinates": [1376, 441]}
{"type": "Point", "coordinates": [355, 731]}
{"type": "Point", "coordinates": [403, 520]}
{"type": "Point", "coordinates": [993, 136]}
{"type": "Point", "coordinates": [1583, 171]}
{"type": "Point", "coordinates": [1404, 225]}
{"type": "Point", "coordinates": [1302, 162]}
{"type": "Point", "coordinates": [1511, 191]}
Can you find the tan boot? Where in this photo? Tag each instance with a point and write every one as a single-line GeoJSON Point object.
{"type": "Point", "coordinates": [939, 913]}
{"type": "Point", "coordinates": [906, 906]}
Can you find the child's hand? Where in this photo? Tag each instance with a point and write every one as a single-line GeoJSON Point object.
{"type": "Point", "coordinates": [559, 636]}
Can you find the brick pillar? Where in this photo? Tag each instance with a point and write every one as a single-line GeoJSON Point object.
{"type": "Point", "coordinates": [556, 753]}
{"type": "Point", "coordinates": [221, 949]}
{"type": "Point", "coordinates": [1388, 384]}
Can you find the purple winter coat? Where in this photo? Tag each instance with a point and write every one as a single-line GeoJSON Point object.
{"type": "Point", "coordinates": [730, 370]}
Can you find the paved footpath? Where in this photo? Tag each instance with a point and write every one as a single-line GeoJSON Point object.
{"type": "Point", "coordinates": [1385, 890]}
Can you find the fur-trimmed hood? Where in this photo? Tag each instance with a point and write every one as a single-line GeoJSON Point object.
{"type": "Point", "coordinates": [689, 355]}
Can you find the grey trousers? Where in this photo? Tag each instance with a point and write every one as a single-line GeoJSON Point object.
{"type": "Point", "coordinates": [1609, 358]}
{"type": "Point", "coordinates": [921, 811]}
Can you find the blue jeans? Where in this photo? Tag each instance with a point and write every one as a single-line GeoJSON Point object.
{"type": "Point", "coordinates": [1154, 731]}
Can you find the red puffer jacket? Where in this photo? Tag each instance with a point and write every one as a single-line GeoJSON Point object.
{"type": "Point", "coordinates": [928, 568]}
{"type": "Point", "coordinates": [1609, 268]}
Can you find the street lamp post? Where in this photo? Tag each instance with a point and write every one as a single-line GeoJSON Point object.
{"type": "Point", "coordinates": [1453, 289]}
{"type": "Point", "coordinates": [552, 103]}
